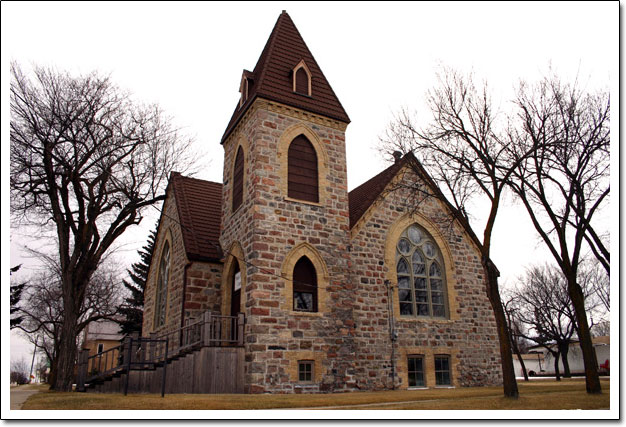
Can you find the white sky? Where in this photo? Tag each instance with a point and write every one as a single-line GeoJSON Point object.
{"type": "Point", "coordinates": [378, 57]}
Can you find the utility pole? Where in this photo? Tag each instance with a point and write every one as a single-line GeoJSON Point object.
{"type": "Point", "coordinates": [32, 363]}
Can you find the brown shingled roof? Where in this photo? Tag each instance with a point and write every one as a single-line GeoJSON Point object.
{"type": "Point", "coordinates": [199, 205]}
{"type": "Point", "coordinates": [272, 78]}
{"type": "Point", "coordinates": [363, 196]}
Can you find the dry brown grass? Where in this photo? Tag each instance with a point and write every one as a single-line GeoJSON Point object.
{"type": "Point", "coordinates": [536, 395]}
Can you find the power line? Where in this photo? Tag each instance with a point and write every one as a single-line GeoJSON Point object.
{"type": "Point", "coordinates": [226, 252]}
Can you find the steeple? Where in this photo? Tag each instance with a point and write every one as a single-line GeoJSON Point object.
{"type": "Point", "coordinates": [274, 77]}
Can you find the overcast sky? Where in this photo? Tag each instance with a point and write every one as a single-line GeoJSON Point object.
{"type": "Point", "coordinates": [378, 57]}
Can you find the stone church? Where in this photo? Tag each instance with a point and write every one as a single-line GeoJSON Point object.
{"type": "Point", "coordinates": [339, 290]}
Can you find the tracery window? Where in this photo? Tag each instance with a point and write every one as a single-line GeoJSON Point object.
{"type": "Point", "coordinates": [421, 277]}
{"type": "Point", "coordinates": [162, 282]}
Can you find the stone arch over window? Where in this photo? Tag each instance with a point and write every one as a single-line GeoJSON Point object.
{"type": "Point", "coordinates": [419, 265]}
{"type": "Point", "coordinates": [302, 79]}
{"type": "Point", "coordinates": [284, 144]}
{"type": "Point", "coordinates": [232, 267]}
{"type": "Point", "coordinates": [163, 282]}
{"type": "Point", "coordinates": [238, 178]}
{"type": "Point", "coordinates": [303, 257]}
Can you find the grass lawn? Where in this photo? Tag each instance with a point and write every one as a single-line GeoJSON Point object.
{"type": "Point", "coordinates": [534, 395]}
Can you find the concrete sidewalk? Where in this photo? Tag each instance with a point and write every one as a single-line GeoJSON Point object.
{"type": "Point", "coordinates": [20, 393]}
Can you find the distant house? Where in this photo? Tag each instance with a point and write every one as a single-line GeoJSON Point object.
{"type": "Point", "coordinates": [100, 336]}
{"type": "Point", "coordinates": [534, 363]}
{"type": "Point", "coordinates": [601, 345]}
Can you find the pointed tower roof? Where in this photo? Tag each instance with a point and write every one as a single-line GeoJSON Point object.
{"type": "Point", "coordinates": [272, 77]}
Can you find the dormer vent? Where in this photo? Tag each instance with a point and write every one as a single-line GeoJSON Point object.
{"type": "Point", "coordinates": [302, 79]}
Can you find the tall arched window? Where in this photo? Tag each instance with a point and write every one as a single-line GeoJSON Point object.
{"type": "Point", "coordinates": [162, 282]}
{"type": "Point", "coordinates": [304, 286]}
{"type": "Point", "coordinates": [302, 170]}
{"type": "Point", "coordinates": [421, 278]}
{"type": "Point", "coordinates": [238, 179]}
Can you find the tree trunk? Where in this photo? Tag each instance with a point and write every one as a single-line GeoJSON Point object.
{"type": "Point", "coordinates": [52, 377]}
{"type": "Point", "coordinates": [66, 357]}
{"type": "Point", "coordinates": [556, 365]}
{"type": "Point", "coordinates": [521, 362]}
{"type": "Point", "coordinates": [592, 379]}
{"type": "Point", "coordinates": [506, 356]}
{"type": "Point", "coordinates": [564, 349]}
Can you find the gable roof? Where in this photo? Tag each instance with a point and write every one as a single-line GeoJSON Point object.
{"type": "Point", "coordinates": [363, 196]}
{"type": "Point", "coordinates": [199, 206]}
{"type": "Point", "coordinates": [272, 79]}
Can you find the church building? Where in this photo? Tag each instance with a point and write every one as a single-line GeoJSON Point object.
{"type": "Point", "coordinates": [338, 290]}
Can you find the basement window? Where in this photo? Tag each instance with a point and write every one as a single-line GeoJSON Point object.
{"type": "Point", "coordinates": [416, 371]}
{"type": "Point", "coordinates": [442, 370]}
{"type": "Point", "coordinates": [305, 371]}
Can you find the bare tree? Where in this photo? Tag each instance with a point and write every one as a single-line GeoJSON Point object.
{"type": "Point", "coordinates": [515, 329]}
{"type": "Point", "coordinates": [464, 153]}
{"type": "Point", "coordinates": [543, 304]}
{"type": "Point", "coordinates": [565, 182]}
{"type": "Point", "coordinates": [86, 161]}
{"type": "Point", "coordinates": [42, 308]}
{"type": "Point", "coordinates": [19, 371]}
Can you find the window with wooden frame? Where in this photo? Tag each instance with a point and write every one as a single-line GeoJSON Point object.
{"type": "Point", "coordinates": [100, 348]}
{"type": "Point", "coordinates": [238, 179]}
{"type": "Point", "coordinates": [305, 371]}
{"type": "Point", "coordinates": [302, 173]}
{"type": "Point", "coordinates": [442, 370]}
{"type": "Point", "coordinates": [161, 290]}
{"type": "Point", "coordinates": [304, 286]}
{"type": "Point", "coordinates": [421, 278]}
{"type": "Point", "coordinates": [415, 364]}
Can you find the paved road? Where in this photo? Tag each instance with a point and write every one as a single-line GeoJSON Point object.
{"type": "Point", "coordinates": [20, 393]}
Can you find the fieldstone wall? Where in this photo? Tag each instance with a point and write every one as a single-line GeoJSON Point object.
{"type": "Point", "coordinates": [203, 280]}
{"type": "Point", "coordinates": [268, 227]}
{"type": "Point", "coordinates": [468, 336]}
{"type": "Point", "coordinates": [169, 230]}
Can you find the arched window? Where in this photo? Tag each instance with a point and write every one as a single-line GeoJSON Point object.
{"type": "Point", "coordinates": [238, 179]}
{"type": "Point", "coordinates": [235, 293]}
{"type": "Point", "coordinates": [302, 170]}
{"type": "Point", "coordinates": [302, 82]}
{"type": "Point", "coordinates": [304, 286]}
{"type": "Point", "coordinates": [162, 282]}
{"type": "Point", "coordinates": [421, 278]}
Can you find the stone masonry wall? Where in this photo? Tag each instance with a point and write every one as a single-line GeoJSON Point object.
{"type": "Point", "coordinates": [203, 279]}
{"type": "Point", "coordinates": [202, 291]}
{"type": "Point", "coordinates": [469, 337]}
{"type": "Point", "coordinates": [268, 226]}
{"type": "Point", "coordinates": [169, 230]}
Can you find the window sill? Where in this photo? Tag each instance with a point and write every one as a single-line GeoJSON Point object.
{"type": "Point", "coordinates": [445, 386]}
{"type": "Point", "coordinates": [304, 202]}
{"type": "Point", "coordinates": [418, 388]}
{"type": "Point", "coordinates": [306, 313]}
{"type": "Point", "coordinates": [423, 319]}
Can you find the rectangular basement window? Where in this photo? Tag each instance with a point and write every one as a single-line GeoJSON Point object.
{"type": "Point", "coordinates": [305, 371]}
{"type": "Point", "coordinates": [415, 365]}
{"type": "Point", "coordinates": [442, 370]}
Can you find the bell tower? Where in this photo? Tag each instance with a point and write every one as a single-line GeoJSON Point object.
{"type": "Point", "coordinates": [285, 221]}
